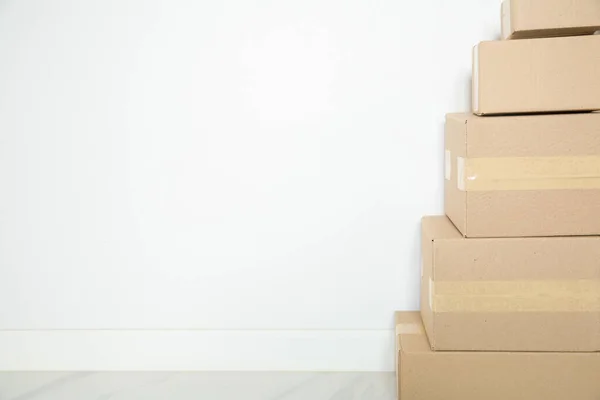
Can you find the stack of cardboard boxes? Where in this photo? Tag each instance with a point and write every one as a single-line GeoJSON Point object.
{"type": "Point", "coordinates": [510, 299]}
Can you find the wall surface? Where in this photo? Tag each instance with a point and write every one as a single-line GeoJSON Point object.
{"type": "Point", "coordinates": [221, 184]}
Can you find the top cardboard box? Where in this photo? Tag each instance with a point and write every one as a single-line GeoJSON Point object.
{"type": "Point", "coordinates": [537, 75]}
{"type": "Point", "coordinates": [525, 19]}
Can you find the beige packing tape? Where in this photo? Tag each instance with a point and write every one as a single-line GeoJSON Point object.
{"type": "Point", "coordinates": [506, 19]}
{"type": "Point", "coordinates": [528, 173]}
{"type": "Point", "coordinates": [447, 165]}
{"type": "Point", "coordinates": [515, 296]}
{"type": "Point", "coordinates": [409, 329]}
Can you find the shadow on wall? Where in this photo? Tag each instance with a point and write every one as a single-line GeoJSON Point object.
{"type": "Point", "coordinates": [468, 85]}
{"type": "Point", "coordinates": [462, 91]}
{"type": "Point", "coordinates": [462, 94]}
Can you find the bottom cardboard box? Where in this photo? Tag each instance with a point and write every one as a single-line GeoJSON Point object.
{"type": "Point", "coordinates": [424, 374]}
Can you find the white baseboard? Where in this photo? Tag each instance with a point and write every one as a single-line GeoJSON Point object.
{"type": "Point", "coordinates": [205, 350]}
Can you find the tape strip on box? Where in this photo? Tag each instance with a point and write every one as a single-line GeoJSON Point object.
{"type": "Point", "coordinates": [409, 329]}
{"type": "Point", "coordinates": [528, 173]}
{"type": "Point", "coordinates": [506, 20]}
{"type": "Point", "coordinates": [515, 296]}
{"type": "Point", "coordinates": [448, 165]}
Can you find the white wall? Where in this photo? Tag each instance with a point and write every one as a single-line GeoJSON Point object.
{"type": "Point", "coordinates": [221, 165]}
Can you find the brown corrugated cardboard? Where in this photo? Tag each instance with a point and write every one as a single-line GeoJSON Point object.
{"type": "Point", "coordinates": [548, 18]}
{"type": "Point", "coordinates": [536, 75]}
{"type": "Point", "coordinates": [534, 175]}
{"type": "Point", "coordinates": [426, 375]}
{"type": "Point", "coordinates": [509, 294]}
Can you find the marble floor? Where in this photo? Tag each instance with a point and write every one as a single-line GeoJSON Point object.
{"type": "Point", "coordinates": [197, 386]}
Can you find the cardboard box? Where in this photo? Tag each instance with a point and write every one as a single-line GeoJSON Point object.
{"type": "Point", "coordinates": [509, 294]}
{"type": "Point", "coordinates": [426, 375]}
{"type": "Point", "coordinates": [549, 18]}
{"type": "Point", "coordinates": [536, 75]}
{"type": "Point", "coordinates": [536, 175]}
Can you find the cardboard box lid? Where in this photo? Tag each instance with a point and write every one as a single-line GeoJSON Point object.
{"type": "Point", "coordinates": [412, 338]}
{"type": "Point", "coordinates": [544, 135]}
{"type": "Point", "coordinates": [555, 259]}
